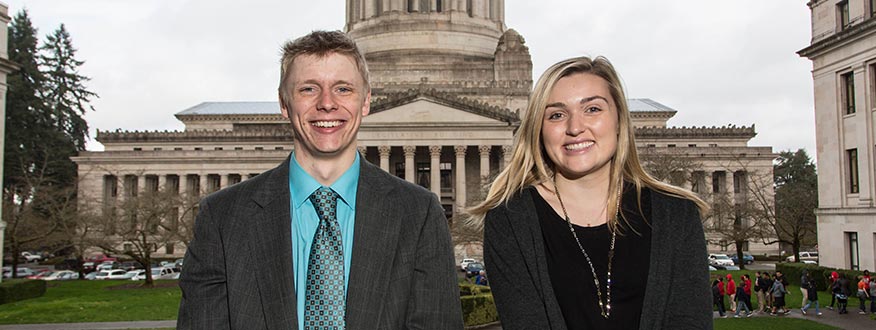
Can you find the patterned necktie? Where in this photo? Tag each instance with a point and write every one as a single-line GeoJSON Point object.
{"type": "Point", "coordinates": [324, 298]}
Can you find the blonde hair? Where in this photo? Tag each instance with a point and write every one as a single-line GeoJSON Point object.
{"type": "Point", "coordinates": [530, 165]}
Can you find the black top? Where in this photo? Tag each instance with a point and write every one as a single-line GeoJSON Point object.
{"type": "Point", "coordinates": [571, 276]}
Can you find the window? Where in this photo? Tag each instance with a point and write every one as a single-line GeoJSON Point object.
{"type": "Point", "coordinates": [692, 145]}
{"type": "Point", "coordinates": [852, 158]}
{"type": "Point", "coordinates": [128, 247]}
{"type": "Point", "coordinates": [157, 149]}
{"type": "Point", "coordinates": [138, 149]}
{"type": "Point", "coordinates": [400, 170]}
{"type": "Point", "coordinates": [713, 144]}
{"type": "Point", "coordinates": [446, 177]}
{"type": "Point", "coordinates": [848, 92]}
{"type": "Point", "coordinates": [217, 148]}
{"type": "Point", "coordinates": [259, 148]}
{"type": "Point", "coordinates": [872, 8]}
{"type": "Point", "coordinates": [423, 174]}
{"type": "Point", "coordinates": [671, 145]}
{"type": "Point", "coordinates": [719, 178]}
{"type": "Point", "coordinates": [842, 9]}
{"type": "Point", "coordinates": [238, 148]}
{"type": "Point", "coordinates": [698, 182]}
{"type": "Point", "coordinates": [852, 238]}
{"type": "Point", "coordinates": [177, 149]}
{"type": "Point", "coordinates": [439, 6]}
{"type": "Point", "coordinates": [739, 182]}
{"type": "Point", "coordinates": [278, 148]}
{"type": "Point", "coordinates": [651, 145]}
{"type": "Point", "coordinates": [168, 249]}
{"type": "Point", "coordinates": [198, 148]}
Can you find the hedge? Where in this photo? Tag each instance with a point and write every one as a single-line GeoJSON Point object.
{"type": "Point", "coordinates": [821, 275]}
{"type": "Point", "coordinates": [478, 306]}
{"type": "Point", "coordinates": [16, 290]}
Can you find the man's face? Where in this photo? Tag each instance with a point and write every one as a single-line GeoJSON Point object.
{"type": "Point", "coordinates": [327, 100]}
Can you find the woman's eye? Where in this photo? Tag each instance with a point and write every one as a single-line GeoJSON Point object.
{"type": "Point", "coordinates": [593, 109]}
{"type": "Point", "coordinates": [555, 116]}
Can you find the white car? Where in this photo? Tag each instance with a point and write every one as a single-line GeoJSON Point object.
{"type": "Point", "coordinates": [21, 272]}
{"type": "Point", "coordinates": [112, 274]}
{"type": "Point", "coordinates": [805, 257]}
{"type": "Point", "coordinates": [163, 273]}
{"type": "Point", "coordinates": [465, 263]}
{"type": "Point", "coordinates": [62, 275]}
{"type": "Point", "coordinates": [30, 257]}
{"type": "Point", "coordinates": [718, 259]}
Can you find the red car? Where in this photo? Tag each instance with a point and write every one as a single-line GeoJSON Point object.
{"type": "Point", "coordinates": [40, 275]}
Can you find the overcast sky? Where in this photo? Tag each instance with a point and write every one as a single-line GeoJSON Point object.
{"type": "Point", "coordinates": [716, 62]}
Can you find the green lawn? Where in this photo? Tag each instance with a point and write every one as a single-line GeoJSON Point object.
{"type": "Point", "coordinates": [91, 301]}
{"type": "Point", "coordinates": [772, 323]}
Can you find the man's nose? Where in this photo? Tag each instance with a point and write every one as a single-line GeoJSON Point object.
{"type": "Point", "coordinates": [327, 101]}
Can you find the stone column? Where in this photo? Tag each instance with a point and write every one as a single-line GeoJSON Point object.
{"type": "Point", "coordinates": [415, 5]}
{"type": "Point", "coordinates": [202, 184]}
{"type": "Point", "coordinates": [384, 157]}
{"type": "Point", "coordinates": [244, 177]}
{"type": "Point", "coordinates": [477, 8]}
{"type": "Point", "coordinates": [141, 184]}
{"type": "Point", "coordinates": [386, 6]}
{"type": "Point", "coordinates": [460, 175]}
{"type": "Point", "coordinates": [223, 181]}
{"type": "Point", "coordinates": [461, 5]}
{"type": "Point", "coordinates": [435, 170]}
{"type": "Point", "coordinates": [368, 9]}
{"type": "Point", "coordinates": [707, 186]}
{"type": "Point", "coordinates": [485, 163]}
{"type": "Point", "coordinates": [506, 155]}
{"type": "Point", "coordinates": [434, 5]}
{"type": "Point", "coordinates": [410, 170]}
{"type": "Point", "coordinates": [162, 182]}
{"type": "Point", "coordinates": [363, 150]}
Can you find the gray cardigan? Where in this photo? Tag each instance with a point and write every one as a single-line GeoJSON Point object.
{"type": "Point", "coordinates": [677, 295]}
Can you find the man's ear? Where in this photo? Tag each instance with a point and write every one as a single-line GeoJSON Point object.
{"type": "Point", "coordinates": [283, 109]}
{"type": "Point", "coordinates": [366, 106]}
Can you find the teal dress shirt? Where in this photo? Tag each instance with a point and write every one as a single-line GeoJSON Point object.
{"type": "Point", "coordinates": [305, 221]}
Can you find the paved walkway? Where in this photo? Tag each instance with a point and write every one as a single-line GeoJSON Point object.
{"type": "Point", "coordinates": [93, 326]}
{"type": "Point", "coordinates": [850, 321]}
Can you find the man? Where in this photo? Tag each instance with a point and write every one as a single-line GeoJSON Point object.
{"type": "Point", "coordinates": [325, 240]}
{"type": "Point", "coordinates": [804, 286]}
{"type": "Point", "coordinates": [731, 292]}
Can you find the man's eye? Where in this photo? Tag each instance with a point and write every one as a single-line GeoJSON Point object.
{"type": "Point", "coordinates": [306, 89]}
{"type": "Point", "coordinates": [345, 90]}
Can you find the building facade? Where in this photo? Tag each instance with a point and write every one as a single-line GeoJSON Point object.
{"type": "Point", "coordinates": [450, 83]}
{"type": "Point", "coordinates": [843, 54]}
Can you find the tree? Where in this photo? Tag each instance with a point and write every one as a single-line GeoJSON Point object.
{"type": "Point", "coordinates": [795, 183]}
{"type": "Point", "coordinates": [140, 224]}
{"type": "Point", "coordinates": [65, 93]}
{"type": "Point", "coordinates": [44, 128]}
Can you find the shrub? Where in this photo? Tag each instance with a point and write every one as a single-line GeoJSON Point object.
{"type": "Point", "coordinates": [16, 290]}
{"type": "Point", "coordinates": [478, 309]}
{"type": "Point", "coordinates": [466, 289]}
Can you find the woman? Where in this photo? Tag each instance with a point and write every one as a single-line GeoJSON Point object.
{"type": "Point", "coordinates": [718, 296]}
{"type": "Point", "coordinates": [577, 235]}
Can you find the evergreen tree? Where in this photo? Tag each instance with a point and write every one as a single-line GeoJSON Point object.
{"type": "Point", "coordinates": [66, 94]}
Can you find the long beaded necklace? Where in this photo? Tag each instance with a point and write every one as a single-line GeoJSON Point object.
{"type": "Point", "coordinates": [604, 308]}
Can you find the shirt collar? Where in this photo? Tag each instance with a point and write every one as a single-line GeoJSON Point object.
{"type": "Point", "coordinates": [304, 184]}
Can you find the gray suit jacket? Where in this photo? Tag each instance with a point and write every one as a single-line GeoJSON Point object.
{"type": "Point", "coordinates": [677, 295]}
{"type": "Point", "coordinates": [238, 268]}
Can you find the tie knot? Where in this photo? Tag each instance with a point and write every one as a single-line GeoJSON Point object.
{"type": "Point", "coordinates": [325, 201]}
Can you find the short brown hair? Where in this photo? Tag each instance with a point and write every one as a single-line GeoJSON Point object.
{"type": "Point", "coordinates": [320, 44]}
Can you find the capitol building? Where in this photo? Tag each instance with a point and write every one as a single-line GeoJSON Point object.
{"type": "Point", "coordinates": [450, 83]}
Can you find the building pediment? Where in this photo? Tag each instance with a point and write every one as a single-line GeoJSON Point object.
{"type": "Point", "coordinates": [429, 108]}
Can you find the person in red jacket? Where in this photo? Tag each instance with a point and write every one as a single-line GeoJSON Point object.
{"type": "Point", "coordinates": [731, 291]}
{"type": "Point", "coordinates": [746, 287]}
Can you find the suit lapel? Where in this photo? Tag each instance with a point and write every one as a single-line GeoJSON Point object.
{"type": "Point", "coordinates": [374, 246]}
{"type": "Point", "coordinates": [271, 241]}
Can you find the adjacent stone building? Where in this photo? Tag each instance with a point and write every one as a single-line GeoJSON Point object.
{"type": "Point", "coordinates": [843, 54]}
{"type": "Point", "coordinates": [450, 83]}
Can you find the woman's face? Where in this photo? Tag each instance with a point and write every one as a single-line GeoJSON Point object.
{"type": "Point", "coordinates": [580, 126]}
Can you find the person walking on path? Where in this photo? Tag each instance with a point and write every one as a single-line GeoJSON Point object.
{"type": "Point", "coordinates": [731, 291]}
{"type": "Point", "coordinates": [778, 292]}
{"type": "Point", "coordinates": [863, 294]}
{"type": "Point", "coordinates": [743, 300]}
{"type": "Point", "coordinates": [758, 292]}
{"type": "Point", "coordinates": [804, 286]}
{"type": "Point", "coordinates": [872, 296]}
{"type": "Point", "coordinates": [812, 297]}
{"type": "Point", "coordinates": [842, 295]}
{"type": "Point", "coordinates": [833, 288]}
{"type": "Point", "coordinates": [764, 285]}
{"type": "Point", "coordinates": [718, 296]}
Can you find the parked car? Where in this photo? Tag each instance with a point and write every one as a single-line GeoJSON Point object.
{"type": "Point", "coordinates": [472, 269]}
{"type": "Point", "coordinates": [811, 257]}
{"type": "Point", "coordinates": [746, 257]}
{"type": "Point", "coordinates": [107, 265]}
{"type": "Point", "coordinates": [40, 275]}
{"type": "Point", "coordinates": [31, 257]}
{"type": "Point", "coordinates": [719, 260]}
{"type": "Point", "coordinates": [21, 272]}
{"type": "Point", "coordinates": [62, 275]}
{"type": "Point", "coordinates": [130, 265]}
{"type": "Point", "coordinates": [91, 276]}
{"type": "Point", "coordinates": [465, 262]}
{"type": "Point", "coordinates": [178, 263]}
{"type": "Point", "coordinates": [101, 258]}
{"type": "Point", "coordinates": [112, 274]}
{"type": "Point", "coordinates": [162, 273]}
{"type": "Point", "coordinates": [131, 273]}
